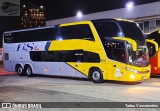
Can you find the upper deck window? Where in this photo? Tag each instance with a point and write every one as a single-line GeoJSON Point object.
{"type": "Point", "coordinates": [81, 31]}
{"type": "Point", "coordinates": [45, 34]}
{"type": "Point", "coordinates": [154, 36]}
{"type": "Point", "coordinates": [107, 29]}
{"type": "Point", "coordinates": [111, 28]}
{"type": "Point", "coordinates": [8, 38]}
{"type": "Point", "coordinates": [131, 30]}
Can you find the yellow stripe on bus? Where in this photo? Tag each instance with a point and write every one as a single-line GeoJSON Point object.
{"type": "Point", "coordinates": [153, 42]}
{"type": "Point", "coordinates": [134, 44]}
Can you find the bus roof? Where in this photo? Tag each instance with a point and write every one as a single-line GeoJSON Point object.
{"type": "Point", "coordinates": [29, 29]}
{"type": "Point", "coordinates": [116, 19]}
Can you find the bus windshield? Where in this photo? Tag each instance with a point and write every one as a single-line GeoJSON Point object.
{"type": "Point", "coordinates": [154, 36]}
{"type": "Point", "coordinates": [139, 57]}
{"type": "Point", "coordinates": [131, 30]}
{"type": "Point", "coordinates": [123, 52]}
{"type": "Point", "coordinates": [151, 49]}
{"type": "Point", "coordinates": [111, 29]}
{"type": "Point", "coordinates": [115, 50]}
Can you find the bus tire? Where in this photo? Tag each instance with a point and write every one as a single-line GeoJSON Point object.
{"type": "Point", "coordinates": [20, 70]}
{"type": "Point", "coordinates": [28, 71]}
{"type": "Point", "coordinates": [96, 75]}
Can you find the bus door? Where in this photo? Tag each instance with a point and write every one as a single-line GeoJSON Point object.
{"type": "Point", "coordinates": [119, 64]}
{"type": "Point", "coordinates": [116, 53]}
{"type": "Point", "coordinates": [8, 60]}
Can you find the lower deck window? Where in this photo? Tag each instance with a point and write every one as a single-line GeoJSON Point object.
{"type": "Point", "coordinates": [65, 56]}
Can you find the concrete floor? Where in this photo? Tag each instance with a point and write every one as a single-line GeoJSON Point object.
{"type": "Point", "coordinates": [14, 88]}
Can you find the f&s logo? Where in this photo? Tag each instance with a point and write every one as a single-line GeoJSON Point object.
{"type": "Point", "coordinates": [27, 47]}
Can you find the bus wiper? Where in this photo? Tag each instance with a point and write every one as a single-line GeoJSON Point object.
{"type": "Point", "coordinates": [88, 38]}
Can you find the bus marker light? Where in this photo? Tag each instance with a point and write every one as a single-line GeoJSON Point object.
{"type": "Point", "coordinates": [144, 77]}
{"type": "Point", "coordinates": [45, 69]}
{"type": "Point", "coordinates": [135, 71]}
{"type": "Point", "coordinates": [123, 72]}
{"type": "Point", "coordinates": [155, 68]}
{"type": "Point", "coordinates": [132, 76]}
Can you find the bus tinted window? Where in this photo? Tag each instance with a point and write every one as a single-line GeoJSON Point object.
{"type": "Point", "coordinates": [64, 56]}
{"type": "Point", "coordinates": [78, 55]}
{"type": "Point", "coordinates": [67, 56]}
{"type": "Point", "coordinates": [154, 36]}
{"type": "Point", "coordinates": [107, 29]}
{"type": "Point", "coordinates": [119, 55]}
{"type": "Point", "coordinates": [19, 37]}
{"type": "Point", "coordinates": [50, 34]}
{"type": "Point", "coordinates": [115, 50]}
{"type": "Point", "coordinates": [151, 49]}
{"type": "Point", "coordinates": [50, 56]}
{"type": "Point", "coordinates": [91, 57]}
{"type": "Point", "coordinates": [6, 56]}
{"type": "Point", "coordinates": [76, 32]}
{"type": "Point", "coordinates": [36, 56]}
{"type": "Point", "coordinates": [8, 38]}
{"type": "Point", "coordinates": [47, 56]}
{"type": "Point", "coordinates": [32, 35]}
{"type": "Point", "coordinates": [131, 30]}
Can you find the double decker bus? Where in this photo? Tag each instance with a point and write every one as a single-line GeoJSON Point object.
{"type": "Point", "coordinates": [153, 44]}
{"type": "Point", "coordinates": [104, 49]}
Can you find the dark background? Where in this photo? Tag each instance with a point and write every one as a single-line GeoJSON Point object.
{"type": "Point", "coordinates": [56, 9]}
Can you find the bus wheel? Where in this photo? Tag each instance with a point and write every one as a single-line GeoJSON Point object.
{"type": "Point", "coordinates": [19, 70]}
{"type": "Point", "coordinates": [29, 72]}
{"type": "Point", "coordinates": [96, 75]}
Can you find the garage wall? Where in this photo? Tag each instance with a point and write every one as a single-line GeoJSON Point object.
{"type": "Point", "coordinates": [137, 11]}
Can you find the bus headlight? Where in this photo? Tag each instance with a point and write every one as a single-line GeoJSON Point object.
{"type": "Point", "coordinates": [132, 70]}
{"type": "Point", "coordinates": [135, 71]}
{"type": "Point", "coordinates": [132, 76]}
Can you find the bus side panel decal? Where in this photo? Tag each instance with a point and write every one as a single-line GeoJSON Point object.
{"type": "Point", "coordinates": [78, 73]}
{"type": "Point", "coordinates": [47, 45]}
